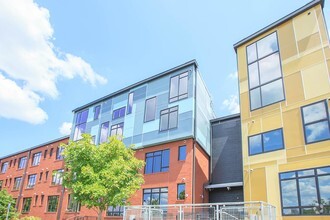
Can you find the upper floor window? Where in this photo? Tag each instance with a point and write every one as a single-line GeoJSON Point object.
{"type": "Point", "coordinates": [118, 113]}
{"type": "Point", "coordinates": [36, 159]}
{"type": "Point", "coordinates": [179, 87]}
{"type": "Point", "coordinates": [266, 142]}
{"type": "Point", "coordinates": [155, 196]}
{"type": "Point", "coordinates": [130, 103]}
{"type": "Point", "coordinates": [22, 162]}
{"type": "Point", "coordinates": [4, 167]}
{"type": "Point", "coordinates": [182, 153]}
{"type": "Point", "coordinates": [264, 71]}
{"type": "Point", "coordinates": [80, 125]}
{"type": "Point", "coordinates": [59, 152]}
{"type": "Point", "coordinates": [104, 132]}
{"type": "Point", "coordinates": [169, 118]}
{"type": "Point", "coordinates": [316, 122]}
{"type": "Point", "coordinates": [117, 129]}
{"type": "Point", "coordinates": [31, 181]}
{"type": "Point", "coordinates": [150, 109]}
{"type": "Point", "coordinates": [97, 112]}
{"type": "Point", "coordinates": [306, 192]}
{"type": "Point", "coordinates": [17, 183]}
{"type": "Point", "coordinates": [57, 177]}
{"type": "Point", "coordinates": [157, 161]}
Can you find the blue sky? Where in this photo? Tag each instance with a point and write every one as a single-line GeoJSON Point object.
{"type": "Point", "coordinates": [58, 55]}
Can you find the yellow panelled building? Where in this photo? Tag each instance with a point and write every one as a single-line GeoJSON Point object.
{"type": "Point", "coordinates": [284, 85]}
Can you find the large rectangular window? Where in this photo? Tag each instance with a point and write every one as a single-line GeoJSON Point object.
{"type": "Point", "coordinates": [130, 103]}
{"type": "Point", "coordinates": [118, 113]}
{"type": "Point", "coordinates": [52, 203]}
{"type": "Point", "coordinates": [104, 132]}
{"type": "Point", "coordinates": [265, 73]}
{"type": "Point", "coordinates": [97, 110]}
{"type": "Point", "coordinates": [181, 191]}
{"type": "Point", "coordinates": [17, 183]}
{"type": "Point", "coordinates": [59, 152]}
{"type": "Point", "coordinates": [4, 167]}
{"type": "Point", "coordinates": [150, 110]}
{"type": "Point", "coordinates": [179, 87]}
{"type": "Point", "coordinates": [57, 177]}
{"type": "Point", "coordinates": [155, 196]}
{"type": "Point", "coordinates": [117, 129]}
{"type": "Point", "coordinates": [306, 192]}
{"type": "Point", "coordinates": [266, 142]}
{"type": "Point", "coordinates": [31, 181]}
{"type": "Point", "coordinates": [168, 118]}
{"type": "Point", "coordinates": [316, 122]}
{"type": "Point", "coordinates": [36, 159]}
{"type": "Point", "coordinates": [22, 162]}
{"type": "Point", "coordinates": [115, 211]}
{"type": "Point", "coordinates": [73, 204]}
{"type": "Point", "coordinates": [157, 161]}
{"type": "Point", "coordinates": [26, 205]}
{"type": "Point", "coordinates": [80, 125]}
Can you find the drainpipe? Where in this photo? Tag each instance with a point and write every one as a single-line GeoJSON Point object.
{"type": "Point", "coordinates": [59, 210]}
{"type": "Point", "coordinates": [23, 180]}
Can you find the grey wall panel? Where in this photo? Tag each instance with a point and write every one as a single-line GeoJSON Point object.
{"type": "Point", "coordinates": [235, 194]}
{"type": "Point", "coordinates": [158, 86]}
{"type": "Point", "coordinates": [106, 106]}
{"type": "Point", "coordinates": [139, 93]}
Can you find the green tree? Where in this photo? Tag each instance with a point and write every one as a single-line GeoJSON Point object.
{"type": "Point", "coordinates": [103, 175]}
{"type": "Point", "coordinates": [5, 199]}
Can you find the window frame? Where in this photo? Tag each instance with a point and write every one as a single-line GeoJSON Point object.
{"type": "Point", "coordinates": [315, 176]}
{"type": "Point", "coordinates": [28, 208]}
{"type": "Point", "coordinates": [129, 103]}
{"type": "Point", "coordinates": [178, 95]}
{"type": "Point", "coordinates": [326, 105]}
{"type": "Point", "coordinates": [177, 191]}
{"type": "Point", "coordinates": [4, 167]}
{"type": "Point", "coordinates": [54, 209]}
{"type": "Point", "coordinates": [57, 178]}
{"type": "Point", "coordinates": [119, 111]}
{"type": "Point", "coordinates": [114, 212]}
{"type": "Point", "coordinates": [151, 193]}
{"type": "Point", "coordinates": [262, 142]}
{"type": "Point", "coordinates": [269, 82]}
{"type": "Point", "coordinates": [145, 109]}
{"type": "Point", "coordinates": [96, 111]}
{"type": "Point", "coordinates": [107, 132]}
{"type": "Point", "coordinates": [168, 122]}
{"type": "Point", "coordinates": [59, 152]}
{"type": "Point", "coordinates": [116, 129]}
{"type": "Point", "coordinates": [72, 202]}
{"type": "Point", "coordinates": [161, 161]}
{"type": "Point", "coordinates": [79, 123]}
{"type": "Point", "coordinates": [179, 153]}
{"type": "Point", "coordinates": [28, 185]}
{"type": "Point", "coordinates": [36, 157]}
{"type": "Point", "coordinates": [16, 187]}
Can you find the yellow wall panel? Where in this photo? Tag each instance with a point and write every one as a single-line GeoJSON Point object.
{"type": "Point", "coordinates": [254, 127]}
{"type": "Point", "coordinates": [295, 151]}
{"type": "Point", "coordinates": [327, 52]}
{"type": "Point", "coordinates": [312, 157]}
{"type": "Point", "coordinates": [318, 147]}
{"type": "Point", "coordinates": [287, 41]}
{"type": "Point", "coordinates": [305, 24]}
{"type": "Point", "coordinates": [316, 81]}
{"type": "Point", "coordinates": [242, 65]}
{"type": "Point", "coordinates": [245, 110]}
{"type": "Point", "coordinates": [258, 185]}
{"type": "Point", "coordinates": [244, 86]}
{"type": "Point", "coordinates": [292, 128]}
{"type": "Point", "coordinates": [320, 19]}
{"type": "Point", "coordinates": [271, 122]}
{"type": "Point", "coordinates": [294, 91]}
{"type": "Point", "coordinates": [304, 164]}
{"type": "Point", "coordinates": [273, 189]}
{"type": "Point", "coordinates": [266, 157]}
{"type": "Point", "coordinates": [311, 42]}
{"type": "Point", "coordinates": [265, 164]}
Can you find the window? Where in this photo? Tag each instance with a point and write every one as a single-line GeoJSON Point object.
{"type": "Point", "coordinates": [22, 162]}
{"type": "Point", "coordinates": [306, 192]}
{"type": "Point", "coordinates": [9, 182]}
{"type": "Point", "coordinates": [45, 154]}
{"type": "Point", "coordinates": [97, 112]}
{"type": "Point", "coordinates": [36, 200]}
{"type": "Point", "coordinates": [52, 203]}
{"type": "Point", "coordinates": [17, 183]}
{"type": "Point", "coordinates": [104, 132]}
{"type": "Point", "coordinates": [181, 192]}
{"type": "Point", "coordinates": [40, 176]}
{"type": "Point", "coordinates": [115, 211]}
{"type": "Point", "coordinates": [182, 153]}
{"type": "Point", "coordinates": [130, 103]}
{"type": "Point", "coordinates": [15, 162]}
{"type": "Point", "coordinates": [4, 167]}
{"type": "Point", "coordinates": [264, 71]}
{"type": "Point", "coordinates": [31, 181]}
{"type": "Point", "coordinates": [36, 159]}
{"type": "Point", "coordinates": [117, 129]}
{"type": "Point", "coordinates": [46, 177]}
{"type": "Point", "coordinates": [42, 199]}
{"type": "Point", "coordinates": [11, 161]}
{"type": "Point", "coordinates": [57, 177]}
{"type": "Point", "coordinates": [73, 205]}
{"type": "Point", "coordinates": [150, 109]}
{"type": "Point", "coordinates": [1, 181]}
{"type": "Point", "coordinates": [155, 196]}
{"type": "Point", "coordinates": [80, 126]}
{"type": "Point", "coordinates": [26, 205]}
{"type": "Point", "coordinates": [168, 118]}
{"type": "Point", "coordinates": [316, 122]}
{"type": "Point", "coordinates": [157, 161]}
{"type": "Point", "coordinates": [179, 87]}
{"type": "Point", "coordinates": [266, 142]}
{"type": "Point", "coordinates": [118, 113]}
{"type": "Point", "coordinates": [51, 152]}
{"type": "Point", "coordinates": [59, 152]}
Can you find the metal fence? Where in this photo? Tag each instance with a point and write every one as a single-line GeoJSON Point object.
{"type": "Point", "coordinates": [212, 211]}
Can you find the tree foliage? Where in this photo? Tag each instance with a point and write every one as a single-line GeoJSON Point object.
{"type": "Point", "coordinates": [103, 175]}
{"type": "Point", "coordinates": [5, 199]}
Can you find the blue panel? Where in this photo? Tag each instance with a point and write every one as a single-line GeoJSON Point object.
{"type": "Point", "coordinates": [137, 139]}
{"type": "Point", "coordinates": [139, 93]}
{"type": "Point", "coordinates": [106, 106]}
{"type": "Point", "coordinates": [158, 86]}
{"type": "Point", "coordinates": [127, 141]}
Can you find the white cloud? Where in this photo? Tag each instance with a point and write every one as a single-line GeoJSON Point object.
{"type": "Point", "coordinates": [65, 128]}
{"type": "Point", "coordinates": [231, 104]}
{"type": "Point", "coordinates": [233, 75]}
{"type": "Point", "coordinates": [30, 62]}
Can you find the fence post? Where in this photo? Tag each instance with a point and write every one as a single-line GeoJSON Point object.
{"type": "Point", "coordinates": [180, 212]}
{"type": "Point", "coordinates": [262, 210]}
{"type": "Point", "coordinates": [149, 212]}
{"type": "Point", "coordinates": [217, 208]}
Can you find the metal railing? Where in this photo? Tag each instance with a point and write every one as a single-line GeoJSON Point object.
{"type": "Point", "coordinates": [212, 211]}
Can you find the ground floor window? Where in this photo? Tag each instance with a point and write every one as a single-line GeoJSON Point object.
{"type": "Point", "coordinates": [26, 205]}
{"type": "Point", "coordinates": [155, 196]}
{"type": "Point", "coordinates": [306, 192]}
{"type": "Point", "coordinates": [73, 204]}
{"type": "Point", "coordinates": [52, 203]}
{"type": "Point", "coordinates": [115, 211]}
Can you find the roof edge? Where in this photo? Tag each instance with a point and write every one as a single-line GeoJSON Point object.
{"type": "Point", "coordinates": [278, 22]}
{"type": "Point", "coordinates": [194, 62]}
{"type": "Point", "coordinates": [225, 118]}
{"type": "Point", "coordinates": [35, 147]}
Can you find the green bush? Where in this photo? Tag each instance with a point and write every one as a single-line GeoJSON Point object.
{"type": "Point", "coordinates": [30, 218]}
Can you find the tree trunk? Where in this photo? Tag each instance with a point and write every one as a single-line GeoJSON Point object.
{"type": "Point", "coordinates": [99, 214]}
